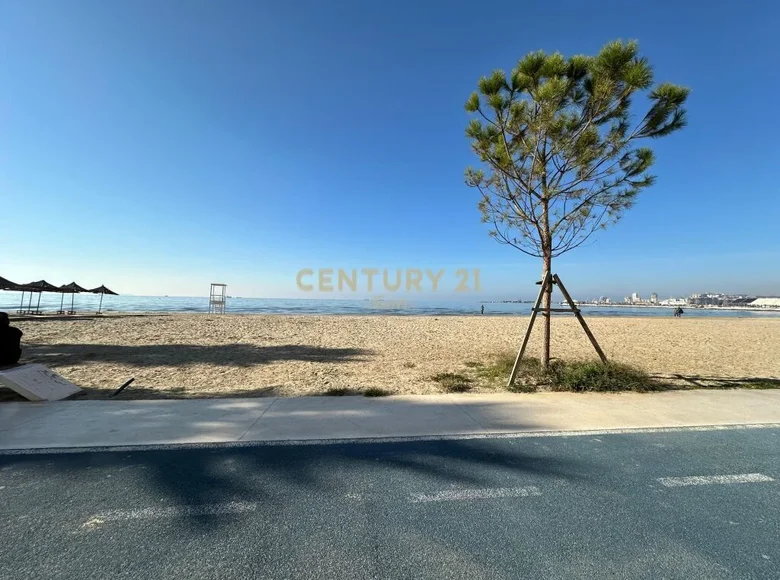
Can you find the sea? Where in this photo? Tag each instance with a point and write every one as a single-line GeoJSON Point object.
{"type": "Point", "coordinates": [88, 303]}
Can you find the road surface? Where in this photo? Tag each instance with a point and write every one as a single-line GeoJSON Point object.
{"type": "Point", "coordinates": [678, 504]}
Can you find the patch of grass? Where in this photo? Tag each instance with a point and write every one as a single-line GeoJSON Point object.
{"type": "Point", "coordinates": [458, 388]}
{"type": "Point", "coordinates": [472, 364]}
{"type": "Point", "coordinates": [595, 376]}
{"type": "Point", "coordinates": [375, 392]}
{"type": "Point", "coordinates": [453, 382]}
{"type": "Point", "coordinates": [500, 367]}
{"type": "Point", "coordinates": [581, 376]}
{"type": "Point", "coordinates": [530, 375]}
{"type": "Point", "coordinates": [573, 376]}
{"type": "Point", "coordinates": [338, 392]}
{"type": "Point", "coordinates": [409, 365]}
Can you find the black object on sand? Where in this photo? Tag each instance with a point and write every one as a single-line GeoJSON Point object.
{"type": "Point", "coordinates": [122, 388]}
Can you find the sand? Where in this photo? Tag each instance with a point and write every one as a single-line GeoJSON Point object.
{"type": "Point", "coordinates": [200, 355]}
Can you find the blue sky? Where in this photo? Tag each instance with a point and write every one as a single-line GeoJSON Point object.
{"type": "Point", "coordinates": [156, 146]}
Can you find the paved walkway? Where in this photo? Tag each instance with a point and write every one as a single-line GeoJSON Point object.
{"type": "Point", "coordinates": [111, 423]}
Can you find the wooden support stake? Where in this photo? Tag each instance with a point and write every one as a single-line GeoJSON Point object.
{"type": "Point", "coordinates": [552, 279]}
{"type": "Point", "coordinates": [547, 280]}
{"type": "Point", "coordinates": [577, 313]}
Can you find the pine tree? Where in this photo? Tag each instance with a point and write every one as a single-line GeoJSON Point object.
{"type": "Point", "coordinates": [558, 143]}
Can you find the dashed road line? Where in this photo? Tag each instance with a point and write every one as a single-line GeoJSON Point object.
{"type": "Point", "coordinates": [151, 513]}
{"type": "Point", "coordinates": [714, 479]}
{"type": "Point", "coordinates": [471, 494]}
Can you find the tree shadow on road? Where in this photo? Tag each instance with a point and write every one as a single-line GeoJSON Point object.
{"type": "Point", "coordinates": [278, 474]}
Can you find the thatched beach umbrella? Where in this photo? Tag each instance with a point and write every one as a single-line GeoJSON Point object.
{"type": "Point", "coordinates": [40, 287]}
{"type": "Point", "coordinates": [71, 289]}
{"type": "Point", "coordinates": [102, 290]}
{"type": "Point", "coordinates": [6, 284]}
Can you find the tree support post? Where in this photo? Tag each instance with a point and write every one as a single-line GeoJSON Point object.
{"type": "Point", "coordinates": [578, 314]}
{"type": "Point", "coordinates": [548, 282]}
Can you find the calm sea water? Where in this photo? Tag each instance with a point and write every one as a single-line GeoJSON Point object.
{"type": "Point", "coordinates": [9, 302]}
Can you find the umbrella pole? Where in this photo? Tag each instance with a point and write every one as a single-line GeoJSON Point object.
{"type": "Point", "coordinates": [38, 307]}
{"type": "Point", "coordinates": [72, 296]}
{"type": "Point", "coordinates": [29, 304]}
{"type": "Point", "coordinates": [101, 303]}
{"type": "Point", "coordinates": [62, 299]}
{"type": "Point", "coordinates": [21, 304]}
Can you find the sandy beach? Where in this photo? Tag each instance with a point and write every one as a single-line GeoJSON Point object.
{"type": "Point", "coordinates": [196, 355]}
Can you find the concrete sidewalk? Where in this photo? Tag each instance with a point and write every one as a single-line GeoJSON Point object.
{"type": "Point", "coordinates": [117, 423]}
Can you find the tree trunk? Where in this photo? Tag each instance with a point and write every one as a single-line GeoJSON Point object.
{"type": "Point", "coordinates": [547, 304]}
{"type": "Point", "coordinates": [546, 270]}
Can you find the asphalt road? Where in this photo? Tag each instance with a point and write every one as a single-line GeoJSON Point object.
{"type": "Point", "coordinates": [685, 504]}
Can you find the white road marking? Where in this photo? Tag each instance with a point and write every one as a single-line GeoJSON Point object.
{"type": "Point", "coordinates": [214, 509]}
{"type": "Point", "coordinates": [714, 479]}
{"type": "Point", "coordinates": [92, 523]}
{"type": "Point", "coordinates": [469, 494]}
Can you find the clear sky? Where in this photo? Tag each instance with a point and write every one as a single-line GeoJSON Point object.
{"type": "Point", "coordinates": [157, 146]}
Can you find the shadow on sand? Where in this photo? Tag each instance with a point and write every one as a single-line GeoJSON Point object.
{"type": "Point", "coordinates": [57, 356]}
{"type": "Point", "coordinates": [173, 355]}
{"type": "Point", "coordinates": [678, 381]}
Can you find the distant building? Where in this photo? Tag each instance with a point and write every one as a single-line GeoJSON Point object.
{"type": "Point", "coordinates": [707, 299]}
{"type": "Point", "coordinates": [653, 298]}
{"type": "Point", "coordinates": [766, 302]}
{"type": "Point", "coordinates": [635, 298]}
{"type": "Point", "coordinates": [741, 300]}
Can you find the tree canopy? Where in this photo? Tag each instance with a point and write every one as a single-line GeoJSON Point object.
{"type": "Point", "coordinates": [558, 142]}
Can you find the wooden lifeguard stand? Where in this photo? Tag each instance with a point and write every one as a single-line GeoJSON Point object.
{"type": "Point", "coordinates": [217, 297]}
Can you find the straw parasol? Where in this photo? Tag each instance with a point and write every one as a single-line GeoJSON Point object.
{"type": "Point", "coordinates": [102, 290]}
{"type": "Point", "coordinates": [40, 287]}
{"type": "Point", "coordinates": [6, 284]}
{"type": "Point", "coordinates": [71, 289]}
